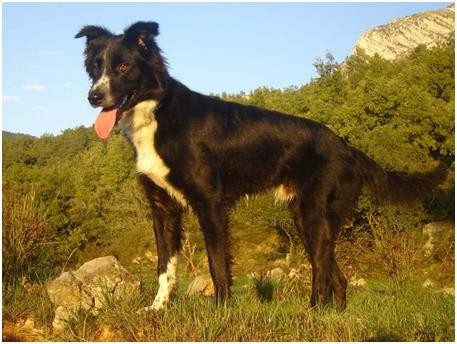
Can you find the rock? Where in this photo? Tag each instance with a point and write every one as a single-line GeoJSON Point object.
{"type": "Point", "coordinates": [276, 274]}
{"type": "Point", "coordinates": [137, 260]}
{"type": "Point", "coordinates": [88, 287]}
{"type": "Point", "coordinates": [150, 256]}
{"type": "Point", "coordinates": [401, 36]}
{"type": "Point", "coordinates": [357, 282]}
{"type": "Point", "coordinates": [428, 283]}
{"type": "Point", "coordinates": [432, 230]}
{"type": "Point", "coordinates": [29, 325]}
{"type": "Point", "coordinates": [202, 284]}
{"type": "Point", "coordinates": [282, 263]}
{"type": "Point", "coordinates": [67, 296]}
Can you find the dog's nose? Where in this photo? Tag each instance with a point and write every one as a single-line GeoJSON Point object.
{"type": "Point", "coordinates": [95, 97]}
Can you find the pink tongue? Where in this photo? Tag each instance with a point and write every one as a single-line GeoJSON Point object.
{"type": "Point", "coordinates": [105, 123]}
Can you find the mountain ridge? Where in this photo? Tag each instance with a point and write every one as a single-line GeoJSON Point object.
{"type": "Point", "coordinates": [401, 36]}
{"type": "Point", "coordinates": [10, 135]}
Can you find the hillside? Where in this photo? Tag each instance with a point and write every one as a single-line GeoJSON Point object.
{"type": "Point", "coordinates": [11, 136]}
{"type": "Point", "coordinates": [399, 37]}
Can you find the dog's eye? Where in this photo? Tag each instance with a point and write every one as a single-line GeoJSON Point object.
{"type": "Point", "coordinates": [122, 67]}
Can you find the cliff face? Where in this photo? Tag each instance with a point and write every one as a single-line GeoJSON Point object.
{"type": "Point", "coordinates": [399, 37]}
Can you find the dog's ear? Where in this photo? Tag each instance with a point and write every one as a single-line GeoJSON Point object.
{"type": "Point", "coordinates": [93, 32]}
{"type": "Point", "coordinates": [141, 34]}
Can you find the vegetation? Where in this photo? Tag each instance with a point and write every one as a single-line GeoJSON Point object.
{"type": "Point", "coordinates": [72, 197]}
{"type": "Point", "coordinates": [382, 311]}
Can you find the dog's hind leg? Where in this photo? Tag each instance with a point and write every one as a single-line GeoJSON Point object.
{"type": "Point", "coordinates": [315, 232]}
{"type": "Point", "coordinates": [316, 235]}
{"type": "Point", "coordinates": [318, 226]}
{"type": "Point", "coordinates": [166, 214]}
{"type": "Point", "coordinates": [213, 218]}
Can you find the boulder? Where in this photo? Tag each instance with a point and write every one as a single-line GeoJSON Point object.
{"type": "Point", "coordinates": [276, 274]}
{"type": "Point", "coordinates": [432, 231]}
{"type": "Point", "coordinates": [201, 285]}
{"type": "Point", "coordinates": [89, 287]}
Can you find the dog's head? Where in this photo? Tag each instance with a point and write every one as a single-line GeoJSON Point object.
{"type": "Point", "coordinates": [125, 69]}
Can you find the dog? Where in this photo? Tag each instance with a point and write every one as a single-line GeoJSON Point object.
{"type": "Point", "coordinates": [197, 151]}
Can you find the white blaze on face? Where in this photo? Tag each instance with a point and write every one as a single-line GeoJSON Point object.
{"type": "Point", "coordinates": [167, 283]}
{"type": "Point", "coordinates": [103, 84]}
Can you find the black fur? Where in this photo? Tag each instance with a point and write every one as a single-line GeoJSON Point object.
{"type": "Point", "coordinates": [218, 151]}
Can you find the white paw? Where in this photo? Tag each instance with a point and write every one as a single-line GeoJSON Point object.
{"type": "Point", "coordinates": [153, 308]}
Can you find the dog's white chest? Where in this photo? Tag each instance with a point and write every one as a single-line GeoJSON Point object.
{"type": "Point", "coordinates": [140, 126]}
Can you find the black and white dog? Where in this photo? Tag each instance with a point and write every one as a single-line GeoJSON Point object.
{"type": "Point", "coordinates": [199, 151]}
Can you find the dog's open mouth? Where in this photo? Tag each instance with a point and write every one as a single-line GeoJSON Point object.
{"type": "Point", "coordinates": [109, 116]}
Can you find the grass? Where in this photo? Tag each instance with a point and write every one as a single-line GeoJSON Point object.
{"type": "Point", "coordinates": [383, 311]}
{"type": "Point", "coordinates": [393, 306]}
{"type": "Point", "coordinates": [264, 287]}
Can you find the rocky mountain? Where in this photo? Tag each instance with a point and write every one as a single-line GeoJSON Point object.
{"type": "Point", "coordinates": [399, 37]}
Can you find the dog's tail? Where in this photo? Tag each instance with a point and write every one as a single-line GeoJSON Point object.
{"type": "Point", "coordinates": [397, 187]}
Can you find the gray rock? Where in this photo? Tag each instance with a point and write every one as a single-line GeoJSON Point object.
{"type": "Point", "coordinates": [89, 287]}
{"type": "Point", "coordinates": [276, 274]}
{"type": "Point", "coordinates": [399, 37]}
{"type": "Point", "coordinates": [432, 231]}
{"type": "Point", "coordinates": [201, 285]}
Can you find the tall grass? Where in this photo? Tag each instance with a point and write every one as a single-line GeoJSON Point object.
{"type": "Point", "coordinates": [24, 229]}
{"type": "Point", "coordinates": [392, 306]}
{"type": "Point", "coordinates": [411, 314]}
{"type": "Point", "coordinates": [383, 310]}
{"type": "Point", "coordinates": [264, 287]}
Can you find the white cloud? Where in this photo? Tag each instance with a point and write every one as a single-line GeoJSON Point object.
{"type": "Point", "coordinates": [42, 108]}
{"type": "Point", "coordinates": [11, 99]}
{"type": "Point", "coordinates": [67, 84]}
{"type": "Point", "coordinates": [34, 87]}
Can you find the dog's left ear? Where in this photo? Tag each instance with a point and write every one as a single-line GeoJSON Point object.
{"type": "Point", "coordinates": [141, 34]}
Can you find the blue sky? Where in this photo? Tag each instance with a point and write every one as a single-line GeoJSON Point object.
{"type": "Point", "coordinates": [211, 47]}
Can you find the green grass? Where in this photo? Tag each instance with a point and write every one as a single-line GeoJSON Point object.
{"type": "Point", "coordinates": [392, 307]}
{"type": "Point", "coordinates": [383, 311]}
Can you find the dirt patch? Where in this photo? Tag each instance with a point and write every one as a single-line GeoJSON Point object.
{"type": "Point", "coordinates": [21, 332]}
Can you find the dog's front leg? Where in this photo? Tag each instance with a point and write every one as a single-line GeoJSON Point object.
{"type": "Point", "coordinates": [167, 231]}
{"type": "Point", "coordinates": [166, 214]}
